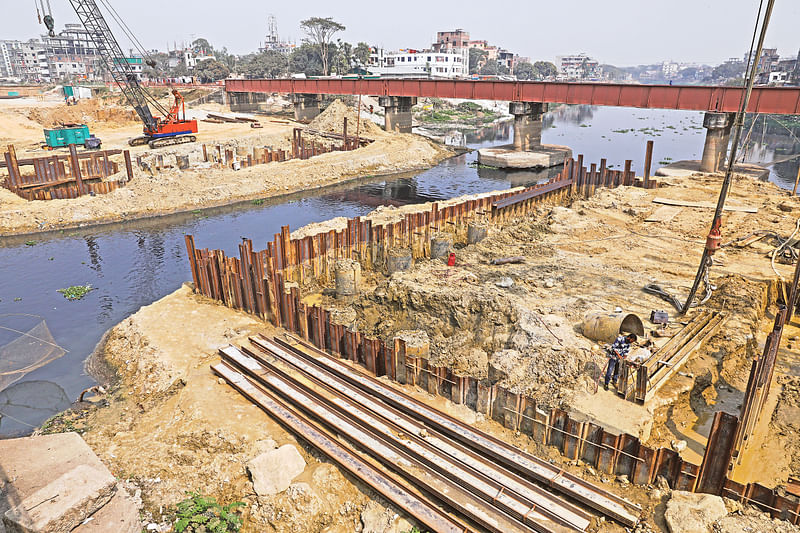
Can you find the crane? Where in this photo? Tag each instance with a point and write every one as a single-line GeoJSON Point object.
{"type": "Point", "coordinates": [171, 127]}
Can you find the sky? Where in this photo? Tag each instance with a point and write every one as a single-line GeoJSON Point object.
{"type": "Point", "coordinates": [618, 32]}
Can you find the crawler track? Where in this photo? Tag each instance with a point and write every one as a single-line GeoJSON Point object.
{"type": "Point", "coordinates": [487, 484]}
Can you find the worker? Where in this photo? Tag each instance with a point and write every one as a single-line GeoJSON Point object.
{"type": "Point", "coordinates": [616, 355]}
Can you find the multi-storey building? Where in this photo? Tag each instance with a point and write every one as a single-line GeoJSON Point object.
{"type": "Point", "coordinates": [30, 62]}
{"type": "Point", "coordinates": [578, 66]}
{"type": "Point", "coordinates": [448, 40]}
{"type": "Point", "coordinates": [419, 63]}
{"type": "Point", "coordinates": [7, 53]}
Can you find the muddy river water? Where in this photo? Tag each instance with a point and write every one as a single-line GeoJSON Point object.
{"type": "Point", "coordinates": [134, 264]}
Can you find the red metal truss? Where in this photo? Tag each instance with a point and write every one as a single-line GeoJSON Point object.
{"type": "Point", "coordinates": [777, 100]}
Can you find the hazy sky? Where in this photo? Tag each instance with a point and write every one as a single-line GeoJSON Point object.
{"type": "Point", "coordinates": [620, 32]}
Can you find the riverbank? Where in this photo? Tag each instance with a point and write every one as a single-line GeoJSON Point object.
{"type": "Point", "coordinates": [170, 190]}
{"type": "Point", "coordinates": [171, 426]}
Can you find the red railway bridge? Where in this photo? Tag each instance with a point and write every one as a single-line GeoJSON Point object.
{"type": "Point", "coordinates": [529, 99]}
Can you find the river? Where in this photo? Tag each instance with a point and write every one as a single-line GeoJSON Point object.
{"type": "Point", "coordinates": [133, 264]}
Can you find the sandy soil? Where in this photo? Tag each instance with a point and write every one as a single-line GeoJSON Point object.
{"type": "Point", "coordinates": [597, 254]}
{"type": "Point", "coordinates": [172, 190]}
{"type": "Point", "coordinates": [168, 426]}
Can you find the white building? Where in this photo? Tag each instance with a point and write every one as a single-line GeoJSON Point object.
{"type": "Point", "coordinates": [7, 53]}
{"type": "Point", "coordinates": [779, 77]}
{"type": "Point", "coordinates": [67, 67]}
{"type": "Point", "coordinates": [577, 66]}
{"type": "Point", "coordinates": [30, 61]}
{"type": "Point", "coordinates": [669, 69]}
{"type": "Point", "coordinates": [420, 63]}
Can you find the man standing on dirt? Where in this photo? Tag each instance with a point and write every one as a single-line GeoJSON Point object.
{"type": "Point", "coordinates": [616, 354]}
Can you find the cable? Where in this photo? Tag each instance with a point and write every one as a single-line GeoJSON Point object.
{"type": "Point", "coordinates": [780, 248]}
{"type": "Point", "coordinates": [714, 236]}
{"type": "Point", "coordinates": [34, 337]}
{"type": "Point", "coordinates": [124, 27]}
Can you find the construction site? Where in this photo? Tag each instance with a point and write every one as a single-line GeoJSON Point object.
{"type": "Point", "coordinates": [259, 305]}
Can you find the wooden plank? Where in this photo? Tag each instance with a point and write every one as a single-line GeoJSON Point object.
{"type": "Point", "coordinates": [703, 205]}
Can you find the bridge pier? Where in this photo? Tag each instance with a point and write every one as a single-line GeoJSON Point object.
{"type": "Point", "coordinates": [527, 150]}
{"type": "Point", "coordinates": [527, 124]}
{"type": "Point", "coordinates": [306, 106]}
{"type": "Point", "coordinates": [244, 102]}
{"type": "Point", "coordinates": [397, 112]}
{"type": "Point", "coordinates": [717, 138]}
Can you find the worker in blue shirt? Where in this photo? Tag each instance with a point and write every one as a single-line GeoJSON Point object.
{"type": "Point", "coordinates": [616, 354]}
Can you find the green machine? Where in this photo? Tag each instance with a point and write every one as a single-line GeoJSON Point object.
{"type": "Point", "coordinates": [70, 134]}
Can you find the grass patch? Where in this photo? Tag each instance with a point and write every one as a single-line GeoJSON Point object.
{"type": "Point", "coordinates": [202, 513]}
{"type": "Point", "coordinates": [31, 243]}
{"type": "Point", "coordinates": [257, 201]}
{"type": "Point", "coordinates": [76, 292]}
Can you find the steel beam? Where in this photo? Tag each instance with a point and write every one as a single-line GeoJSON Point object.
{"type": "Point", "coordinates": [775, 100]}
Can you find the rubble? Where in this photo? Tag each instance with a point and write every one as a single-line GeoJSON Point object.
{"type": "Point", "coordinates": [688, 512]}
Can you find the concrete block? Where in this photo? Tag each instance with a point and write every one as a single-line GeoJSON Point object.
{"type": "Point", "coordinates": [61, 505]}
{"type": "Point", "coordinates": [545, 155]}
{"type": "Point", "coordinates": [120, 515]}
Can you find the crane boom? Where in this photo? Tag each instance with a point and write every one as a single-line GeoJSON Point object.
{"type": "Point", "coordinates": [114, 59]}
{"type": "Point", "coordinates": [172, 129]}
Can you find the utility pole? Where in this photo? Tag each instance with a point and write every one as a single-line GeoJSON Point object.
{"type": "Point", "coordinates": [714, 236]}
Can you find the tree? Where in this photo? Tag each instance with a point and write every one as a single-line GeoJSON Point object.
{"type": "Point", "coordinates": [613, 72]}
{"type": "Point", "coordinates": [688, 73]}
{"type": "Point", "coordinates": [546, 69]}
{"type": "Point", "coordinates": [526, 71]}
{"type": "Point", "coordinates": [493, 68]}
{"type": "Point", "coordinates": [304, 59]}
{"type": "Point", "coordinates": [268, 64]}
{"type": "Point", "coordinates": [361, 53]}
{"type": "Point", "coordinates": [210, 70]}
{"type": "Point", "coordinates": [476, 57]}
{"type": "Point", "coordinates": [320, 31]}
{"type": "Point", "coordinates": [342, 57]}
{"type": "Point", "coordinates": [728, 70]}
{"type": "Point", "coordinates": [202, 45]}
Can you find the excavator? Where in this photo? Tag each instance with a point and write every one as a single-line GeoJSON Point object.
{"type": "Point", "coordinates": [171, 127]}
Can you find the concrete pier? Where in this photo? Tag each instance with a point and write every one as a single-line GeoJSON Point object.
{"type": "Point", "coordinates": [717, 138]}
{"type": "Point", "coordinates": [397, 115]}
{"type": "Point", "coordinates": [527, 150]}
{"type": "Point", "coordinates": [527, 124]}
{"type": "Point", "coordinates": [245, 102]}
{"type": "Point", "coordinates": [306, 106]}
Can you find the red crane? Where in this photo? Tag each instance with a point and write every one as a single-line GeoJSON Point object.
{"type": "Point", "coordinates": [171, 127]}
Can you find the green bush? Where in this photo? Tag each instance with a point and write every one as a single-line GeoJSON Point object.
{"type": "Point", "coordinates": [469, 107]}
{"type": "Point", "coordinates": [198, 511]}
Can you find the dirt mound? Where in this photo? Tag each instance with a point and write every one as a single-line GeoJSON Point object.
{"type": "Point", "coordinates": [85, 112]}
{"type": "Point", "coordinates": [332, 119]}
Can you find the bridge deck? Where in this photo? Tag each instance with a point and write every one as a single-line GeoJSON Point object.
{"type": "Point", "coordinates": [777, 100]}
